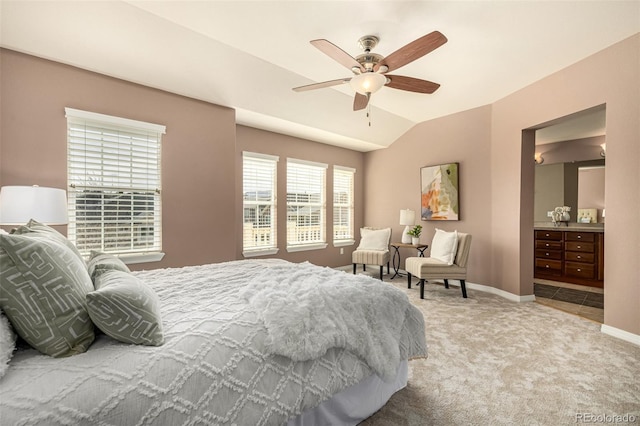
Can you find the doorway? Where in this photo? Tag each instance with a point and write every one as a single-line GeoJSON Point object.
{"type": "Point", "coordinates": [566, 278]}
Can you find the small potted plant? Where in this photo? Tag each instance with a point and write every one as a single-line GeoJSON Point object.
{"type": "Point", "coordinates": [415, 234]}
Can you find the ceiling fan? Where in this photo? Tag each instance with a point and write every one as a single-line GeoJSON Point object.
{"type": "Point", "coordinates": [370, 69]}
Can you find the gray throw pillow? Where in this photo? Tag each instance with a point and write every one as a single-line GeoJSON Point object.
{"type": "Point", "coordinates": [35, 228]}
{"type": "Point", "coordinates": [101, 262]}
{"type": "Point", "coordinates": [43, 293]}
{"type": "Point", "coordinates": [125, 308]}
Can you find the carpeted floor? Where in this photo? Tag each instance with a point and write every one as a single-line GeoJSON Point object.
{"type": "Point", "coordinates": [496, 362]}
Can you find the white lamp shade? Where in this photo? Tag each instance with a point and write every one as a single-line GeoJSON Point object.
{"type": "Point", "coordinates": [19, 204]}
{"type": "Point", "coordinates": [368, 82]}
{"type": "Point", "coordinates": [407, 217]}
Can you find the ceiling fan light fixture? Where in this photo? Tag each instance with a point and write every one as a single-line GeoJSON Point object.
{"type": "Point", "coordinates": [368, 82]}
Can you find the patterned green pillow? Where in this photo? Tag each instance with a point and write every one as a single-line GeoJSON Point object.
{"type": "Point", "coordinates": [43, 293]}
{"type": "Point", "coordinates": [101, 262]}
{"type": "Point", "coordinates": [126, 309]}
{"type": "Point", "coordinates": [35, 228]}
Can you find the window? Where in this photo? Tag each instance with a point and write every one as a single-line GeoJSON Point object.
{"type": "Point", "coordinates": [306, 221]}
{"type": "Point", "coordinates": [343, 206]}
{"type": "Point", "coordinates": [113, 169]}
{"type": "Point", "coordinates": [259, 204]}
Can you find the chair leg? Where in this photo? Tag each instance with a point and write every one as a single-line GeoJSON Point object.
{"type": "Point", "coordinates": [408, 280]}
{"type": "Point", "coordinates": [381, 270]}
{"type": "Point", "coordinates": [464, 288]}
{"type": "Point", "coordinates": [446, 283]}
{"type": "Point", "coordinates": [354, 269]}
{"type": "Point", "coordinates": [421, 288]}
{"type": "Point", "coordinates": [364, 266]}
{"type": "Point", "coordinates": [388, 268]}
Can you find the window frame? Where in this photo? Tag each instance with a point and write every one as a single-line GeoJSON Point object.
{"type": "Point", "coordinates": [126, 179]}
{"type": "Point", "coordinates": [272, 248]}
{"type": "Point", "coordinates": [349, 204]}
{"type": "Point", "coordinates": [314, 244]}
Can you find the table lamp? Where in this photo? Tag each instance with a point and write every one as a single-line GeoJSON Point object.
{"type": "Point", "coordinates": [19, 204]}
{"type": "Point", "coordinates": [407, 218]}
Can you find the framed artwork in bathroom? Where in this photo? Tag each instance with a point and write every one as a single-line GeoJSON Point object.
{"type": "Point", "coordinates": [439, 192]}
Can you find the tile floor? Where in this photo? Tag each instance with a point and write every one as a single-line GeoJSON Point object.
{"type": "Point", "coordinates": [587, 302]}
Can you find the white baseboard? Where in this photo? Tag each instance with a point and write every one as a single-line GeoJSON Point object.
{"type": "Point", "coordinates": [488, 289]}
{"type": "Point", "coordinates": [620, 334]}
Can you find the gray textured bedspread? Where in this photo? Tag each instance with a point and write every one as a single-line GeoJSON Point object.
{"type": "Point", "coordinates": [212, 369]}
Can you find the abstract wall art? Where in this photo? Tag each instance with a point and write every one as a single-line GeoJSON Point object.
{"type": "Point", "coordinates": [439, 188]}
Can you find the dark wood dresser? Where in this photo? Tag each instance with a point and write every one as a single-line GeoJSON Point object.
{"type": "Point", "coordinates": [570, 256]}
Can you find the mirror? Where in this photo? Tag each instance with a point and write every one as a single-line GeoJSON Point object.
{"type": "Point", "coordinates": [570, 164]}
{"type": "Point", "coordinates": [590, 194]}
{"type": "Point", "coordinates": [578, 185]}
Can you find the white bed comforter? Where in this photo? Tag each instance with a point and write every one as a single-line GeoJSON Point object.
{"type": "Point", "coordinates": [220, 362]}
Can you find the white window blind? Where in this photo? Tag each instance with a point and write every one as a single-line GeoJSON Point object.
{"type": "Point", "coordinates": [306, 205]}
{"type": "Point", "coordinates": [259, 229]}
{"type": "Point", "coordinates": [343, 206]}
{"type": "Point", "coordinates": [114, 184]}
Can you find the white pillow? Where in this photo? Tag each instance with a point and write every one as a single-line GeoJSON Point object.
{"type": "Point", "coordinates": [444, 246]}
{"type": "Point", "coordinates": [374, 239]}
{"type": "Point", "coordinates": [7, 343]}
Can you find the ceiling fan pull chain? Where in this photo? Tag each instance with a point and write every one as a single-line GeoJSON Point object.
{"type": "Point", "coordinates": [369, 108]}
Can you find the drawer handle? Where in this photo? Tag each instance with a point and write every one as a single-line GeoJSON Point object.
{"type": "Point", "coordinates": [579, 257]}
{"type": "Point", "coordinates": [547, 244]}
{"type": "Point", "coordinates": [546, 235]}
{"type": "Point", "coordinates": [579, 236]}
{"type": "Point", "coordinates": [546, 266]}
{"type": "Point", "coordinates": [579, 246]}
{"type": "Point", "coordinates": [546, 254]}
{"type": "Point", "coordinates": [579, 270]}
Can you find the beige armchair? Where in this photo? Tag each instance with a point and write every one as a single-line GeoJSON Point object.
{"type": "Point", "coordinates": [427, 268]}
{"type": "Point", "coordinates": [373, 249]}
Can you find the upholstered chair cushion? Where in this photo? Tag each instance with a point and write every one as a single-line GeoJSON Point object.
{"type": "Point", "coordinates": [370, 257]}
{"type": "Point", "coordinates": [426, 267]}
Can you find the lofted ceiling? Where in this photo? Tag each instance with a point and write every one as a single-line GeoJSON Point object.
{"type": "Point", "coordinates": [248, 55]}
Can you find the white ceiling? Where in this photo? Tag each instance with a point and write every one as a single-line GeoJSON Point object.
{"type": "Point", "coordinates": [248, 55]}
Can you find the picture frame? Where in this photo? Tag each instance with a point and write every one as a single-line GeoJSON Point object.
{"type": "Point", "coordinates": [439, 190]}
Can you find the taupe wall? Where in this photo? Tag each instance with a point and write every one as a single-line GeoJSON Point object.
{"type": "Point", "coordinates": [198, 150]}
{"type": "Point", "coordinates": [495, 152]}
{"type": "Point", "coordinates": [201, 162]}
{"type": "Point", "coordinates": [254, 140]}
{"type": "Point", "coordinates": [393, 181]}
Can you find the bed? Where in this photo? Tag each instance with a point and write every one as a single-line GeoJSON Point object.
{"type": "Point", "coordinates": [251, 342]}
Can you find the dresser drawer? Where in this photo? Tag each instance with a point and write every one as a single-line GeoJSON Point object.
{"type": "Point", "coordinates": [548, 265]}
{"type": "Point", "coordinates": [549, 235]}
{"type": "Point", "coordinates": [580, 270]}
{"type": "Point", "coordinates": [552, 245]}
{"type": "Point", "coordinates": [587, 237]}
{"type": "Point", "coordinates": [573, 256]}
{"type": "Point", "coordinates": [579, 246]}
{"type": "Point", "coordinates": [548, 254]}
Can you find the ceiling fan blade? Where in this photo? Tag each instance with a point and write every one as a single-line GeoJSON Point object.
{"type": "Point", "coordinates": [321, 85]}
{"type": "Point", "coordinates": [411, 84]}
{"type": "Point", "coordinates": [360, 101]}
{"type": "Point", "coordinates": [412, 51]}
{"type": "Point", "coordinates": [336, 53]}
